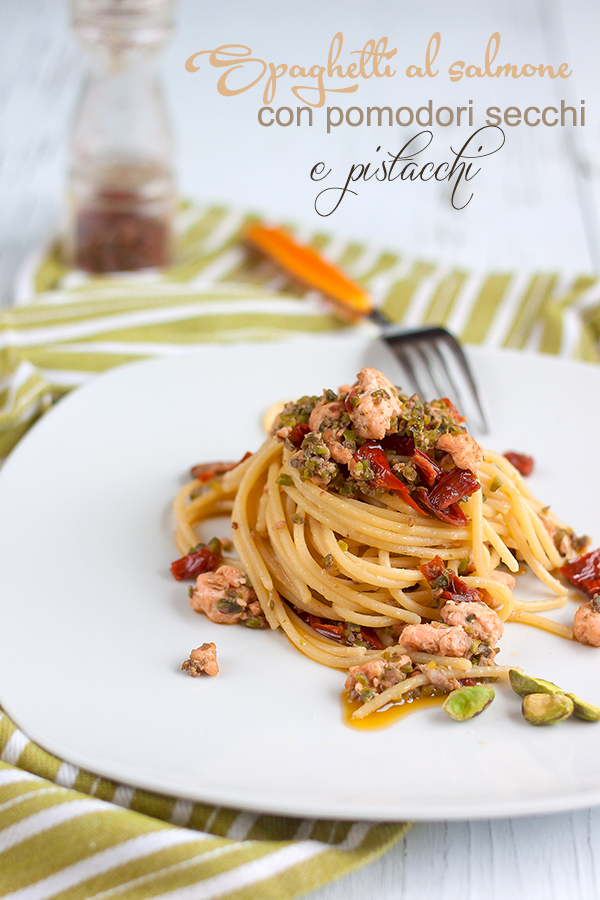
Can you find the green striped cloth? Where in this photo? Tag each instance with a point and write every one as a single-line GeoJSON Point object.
{"type": "Point", "coordinates": [68, 833]}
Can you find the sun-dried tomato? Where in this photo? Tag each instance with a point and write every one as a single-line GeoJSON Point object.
{"type": "Point", "coordinates": [453, 515]}
{"type": "Point", "coordinates": [447, 582]}
{"type": "Point", "coordinates": [433, 569]}
{"type": "Point", "coordinates": [335, 630]}
{"type": "Point", "coordinates": [384, 477]}
{"type": "Point", "coordinates": [584, 572]}
{"type": "Point", "coordinates": [521, 462]}
{"type": "Point", "coordinates": [298, 433]}
{"type": "Point", "coordinates": [451, 486]}
{"type": "Point", "coordinates": [453, 410]}
{"type": "Point", "coordinates": [427, 468]}
{"type": "Point", "coordinates": [402, 444]}
{"type": "Point", "coordinates": [205, 471]}
{"type": "Point", "coordinates": [193, 564]}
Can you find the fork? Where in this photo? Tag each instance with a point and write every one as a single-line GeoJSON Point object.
{"type": "Point", "coordinates": [431, 357]}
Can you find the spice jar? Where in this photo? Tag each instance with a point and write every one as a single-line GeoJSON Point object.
{"type": "Point", "coordinates": [121, 189]}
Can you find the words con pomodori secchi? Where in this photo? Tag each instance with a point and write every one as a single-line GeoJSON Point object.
{"type": "Point", "coordinates": [242, 72]}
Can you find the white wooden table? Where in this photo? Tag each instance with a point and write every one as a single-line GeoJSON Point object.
{"type": "Point", "coordinates": [536, 204]}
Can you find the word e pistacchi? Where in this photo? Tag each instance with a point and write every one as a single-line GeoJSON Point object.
{"type": "Point", "coordinates": [410, 164]}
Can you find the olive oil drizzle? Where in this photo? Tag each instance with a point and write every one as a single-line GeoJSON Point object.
{"type": "Point", "coordinates": [386, 717]}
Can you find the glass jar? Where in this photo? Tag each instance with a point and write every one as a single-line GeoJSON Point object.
{"type": "Point", "coordinates": [121, 187]}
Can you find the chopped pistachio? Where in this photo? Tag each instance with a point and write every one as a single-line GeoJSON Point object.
{"type": "Point", "coordinates": [392, 653]}
{"type": "Point", "coordinates": [297, 518]}
{"type": "Point", "coordinates": [467, 702]}
{"type": "Point", "coordinates": [190, 590]}
{"type": "Point", "coordinates": [284, 479]}
{"type": "Point", "coordinates": [584, 710]}
{"type": "Point", "coordinates": [343, 545]}
{"type": "Point", "coordinates": [524, 684]}
{"type": "Point", "coordinates": [463, 565]}
{"type": "Point", "coordinates": [546, 709]}
{"type": "Point", "coordinates": [228, 606]}
{"type": "Point", "coordinates": [496, 483]}
{"type": "Point", "coordinates": [380, 394]}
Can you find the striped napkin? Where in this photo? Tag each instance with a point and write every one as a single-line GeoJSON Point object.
{"type": "Point", "coordinates": [66, 832]}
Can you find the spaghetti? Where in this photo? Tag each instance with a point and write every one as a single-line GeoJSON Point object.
{"type": "Point", "coordinates": [371, 528]}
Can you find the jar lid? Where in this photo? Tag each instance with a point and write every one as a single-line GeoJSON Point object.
{"type": "Point", "coordinates": [129, 21]}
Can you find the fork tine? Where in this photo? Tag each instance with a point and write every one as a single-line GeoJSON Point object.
{"type": "Point", "coordinates": [422, 349]}
{"type": "Point", "coordinates": [450, 380]}
{"type": "Point", "coordinates": [406, 362]}
{"type": "Point", "coordinates": [433, 339]}
{"type": "Point", "coordinates": [460, 357]}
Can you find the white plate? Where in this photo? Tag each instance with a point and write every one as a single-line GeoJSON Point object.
{"type": "Point", "coordinates": [94, 629]}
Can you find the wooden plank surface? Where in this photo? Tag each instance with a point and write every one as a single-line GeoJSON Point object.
{"type": "Point", "coordinates": [536, 205]}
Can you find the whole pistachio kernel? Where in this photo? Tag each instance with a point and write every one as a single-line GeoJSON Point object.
{"type": "Point", "coordinates": [523, 684]}
{"type": "Point", "coordinates": [584, 710]}
{"type": "Point", "coordinates": [546, 709]}
{"type": "Point", "coordinates": [467, 702]}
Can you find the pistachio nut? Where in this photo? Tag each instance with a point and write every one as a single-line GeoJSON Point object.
{"type": "Point", "coordinates": [524, 684]}
{"type": "Point", "coordinates": [584, 710]}
{"type": "Point", "coordinates": [467, 702]}
{"type": "Point", "coordinates": [546, 709]}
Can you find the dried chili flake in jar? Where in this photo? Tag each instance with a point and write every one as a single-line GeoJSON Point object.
{"type": "Point", "coordinates": [110, 238]}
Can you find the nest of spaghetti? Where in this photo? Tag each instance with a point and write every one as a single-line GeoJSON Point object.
{"type": "Point", "coordinates": [376, 533]}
